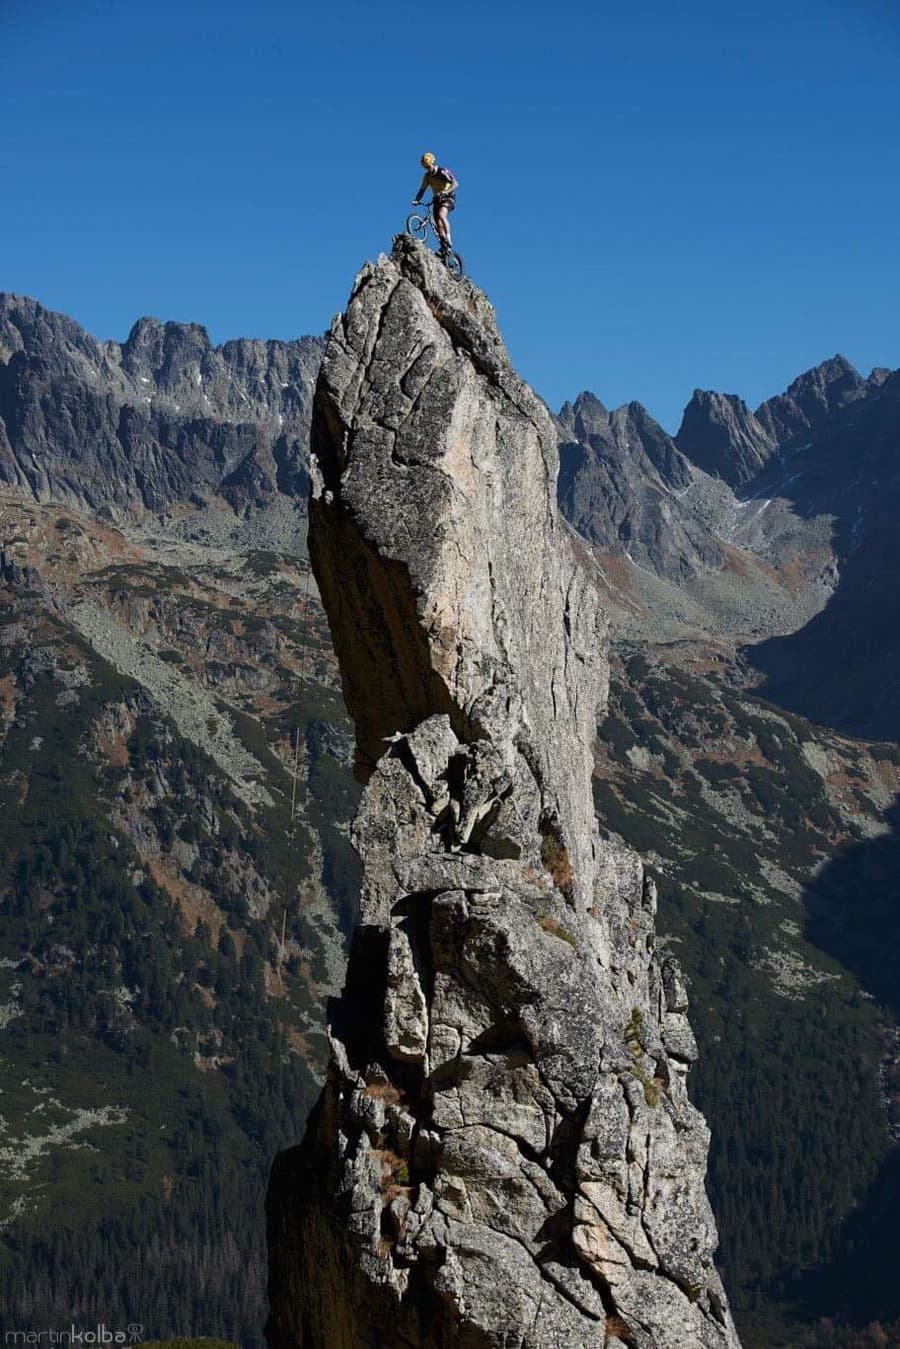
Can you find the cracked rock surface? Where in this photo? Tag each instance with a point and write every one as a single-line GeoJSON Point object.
{"type": "Point", "coordinates": [504, 1154]}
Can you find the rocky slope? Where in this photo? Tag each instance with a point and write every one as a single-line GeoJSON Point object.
{"type": "Point", "coordinates": [776, 531]}
{"type": "Point", "coordinates": [813, 399]}
{"type": "Point", "coordinates": [721, 435]}
{"type": "Point", "coordinates": [621, 484]}
{"type": "Point", "coordinates": [842, 667]}
{"type": "Point", "coordinates": [163, 417]}
{"type": "Point", "coordinates": [504, 1151]}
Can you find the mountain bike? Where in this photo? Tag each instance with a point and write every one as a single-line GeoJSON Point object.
{"type": "Point", "coordinates": [420, 226]}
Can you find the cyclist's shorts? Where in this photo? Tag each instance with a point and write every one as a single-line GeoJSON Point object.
{"type": "Point", "coordinates": [445, 199]}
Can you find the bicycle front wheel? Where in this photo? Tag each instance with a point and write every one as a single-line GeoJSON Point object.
{"type": "Point", "coordinates": [417, 226]}
{"type": "Point", "coordinates": [454, 263]}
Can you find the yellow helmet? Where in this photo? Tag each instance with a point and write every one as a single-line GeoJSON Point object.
{"type": "Point", "coordinates": [428, 160]}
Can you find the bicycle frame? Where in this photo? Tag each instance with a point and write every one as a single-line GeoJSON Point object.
{"type": "Point", "coordinates": [430, 221]}
{"type": "Point", "coordinates": [425, 225]}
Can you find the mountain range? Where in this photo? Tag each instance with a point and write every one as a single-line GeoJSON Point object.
{"type": "Point", "coordinates": [176, 782]}
{"type": "Point", "coordinates": [772, 529]}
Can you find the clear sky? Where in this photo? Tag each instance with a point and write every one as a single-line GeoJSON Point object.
{"type": "Point", "coordinates": [656, 194]}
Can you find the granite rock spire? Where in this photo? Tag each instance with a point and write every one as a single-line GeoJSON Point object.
{"type": "Point", "coordinates": [503, 1153]}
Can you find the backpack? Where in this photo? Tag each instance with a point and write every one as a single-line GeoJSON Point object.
{"type": "Point", "coordinates": [448, 176]}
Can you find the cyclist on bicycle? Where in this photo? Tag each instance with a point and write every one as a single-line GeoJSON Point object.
{"type": "Point", "coordinates": [443, 186]}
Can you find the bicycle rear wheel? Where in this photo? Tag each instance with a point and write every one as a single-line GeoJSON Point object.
{"type": "Point", "coordinates": [417, 226]}
{"type": "Point", "coordinates": [454, 263]}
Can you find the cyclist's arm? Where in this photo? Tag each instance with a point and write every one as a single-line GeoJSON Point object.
{"type": "Point", "coordinates": [417, 199]}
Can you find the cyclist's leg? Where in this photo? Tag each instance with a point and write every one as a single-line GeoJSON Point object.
{"type": "Point", "coordinates": [448, 207]}
{"type": "Point", "coordinates": [440, 223]}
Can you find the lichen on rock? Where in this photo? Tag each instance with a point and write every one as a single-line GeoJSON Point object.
{"type": "Point", "coordinates": [504, 1153]}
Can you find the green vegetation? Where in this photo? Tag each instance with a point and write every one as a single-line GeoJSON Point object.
{"type": "Point", "coordinates": [262, 564]}
{"type": "Point", "coordinates": [634, 1043]}
{"type": "Point", "coordinates": [787, 1080]}
{"type": "Point", "coordinates": [125, 1003]}
{"type": "Point", "coordinates": [556, 929]}
{"type": "Point", "coordinates": [556, 861]}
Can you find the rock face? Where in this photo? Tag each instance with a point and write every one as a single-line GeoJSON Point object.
{"type": "Point", "coordinates": [813, 399]}
{"type": "Point", "coordinates": [162, 418]}
{"type": "Point", "coordinates": [621, 485]}
{"type": "Point", "coordinates": [843, 667]}
{"type": "Point", "coordinates": [504, 1153]}
{"type": "Point", "coordinates": [721, 435]}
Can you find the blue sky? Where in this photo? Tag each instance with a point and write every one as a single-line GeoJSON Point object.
{"type": "Point", "coordinates": [655, 195]}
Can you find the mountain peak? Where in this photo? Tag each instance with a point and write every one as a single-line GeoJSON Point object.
{"type": "Point", "coordinates": [722, 436]}
{"type": "Point", "coordinates": [616, 475]}
{"type": "Point", "coordinates": [811, 399]}
{"type": "Point", "coordinates": [164, 349]}
{"type": "Point", "coordinates": [827, 371]}
{"type": "Point", "coordinates": [584, 418]}
{"type": "Point", "coordinates": [587, 401]}
{"type": "Point", "coordinates": [25, 325]}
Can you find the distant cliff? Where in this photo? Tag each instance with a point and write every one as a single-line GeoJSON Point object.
{"type": "Point", "coordinates": [163, 417]}
{"type": "Point", "coordinates": [504, 1151]}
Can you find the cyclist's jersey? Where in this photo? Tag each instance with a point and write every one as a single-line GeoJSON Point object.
{"type": "Point", "coordinates": [437, 182]}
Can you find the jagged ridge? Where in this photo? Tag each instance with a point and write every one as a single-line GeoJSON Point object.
{"type": "Point", "coordinates": [164, 417]}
